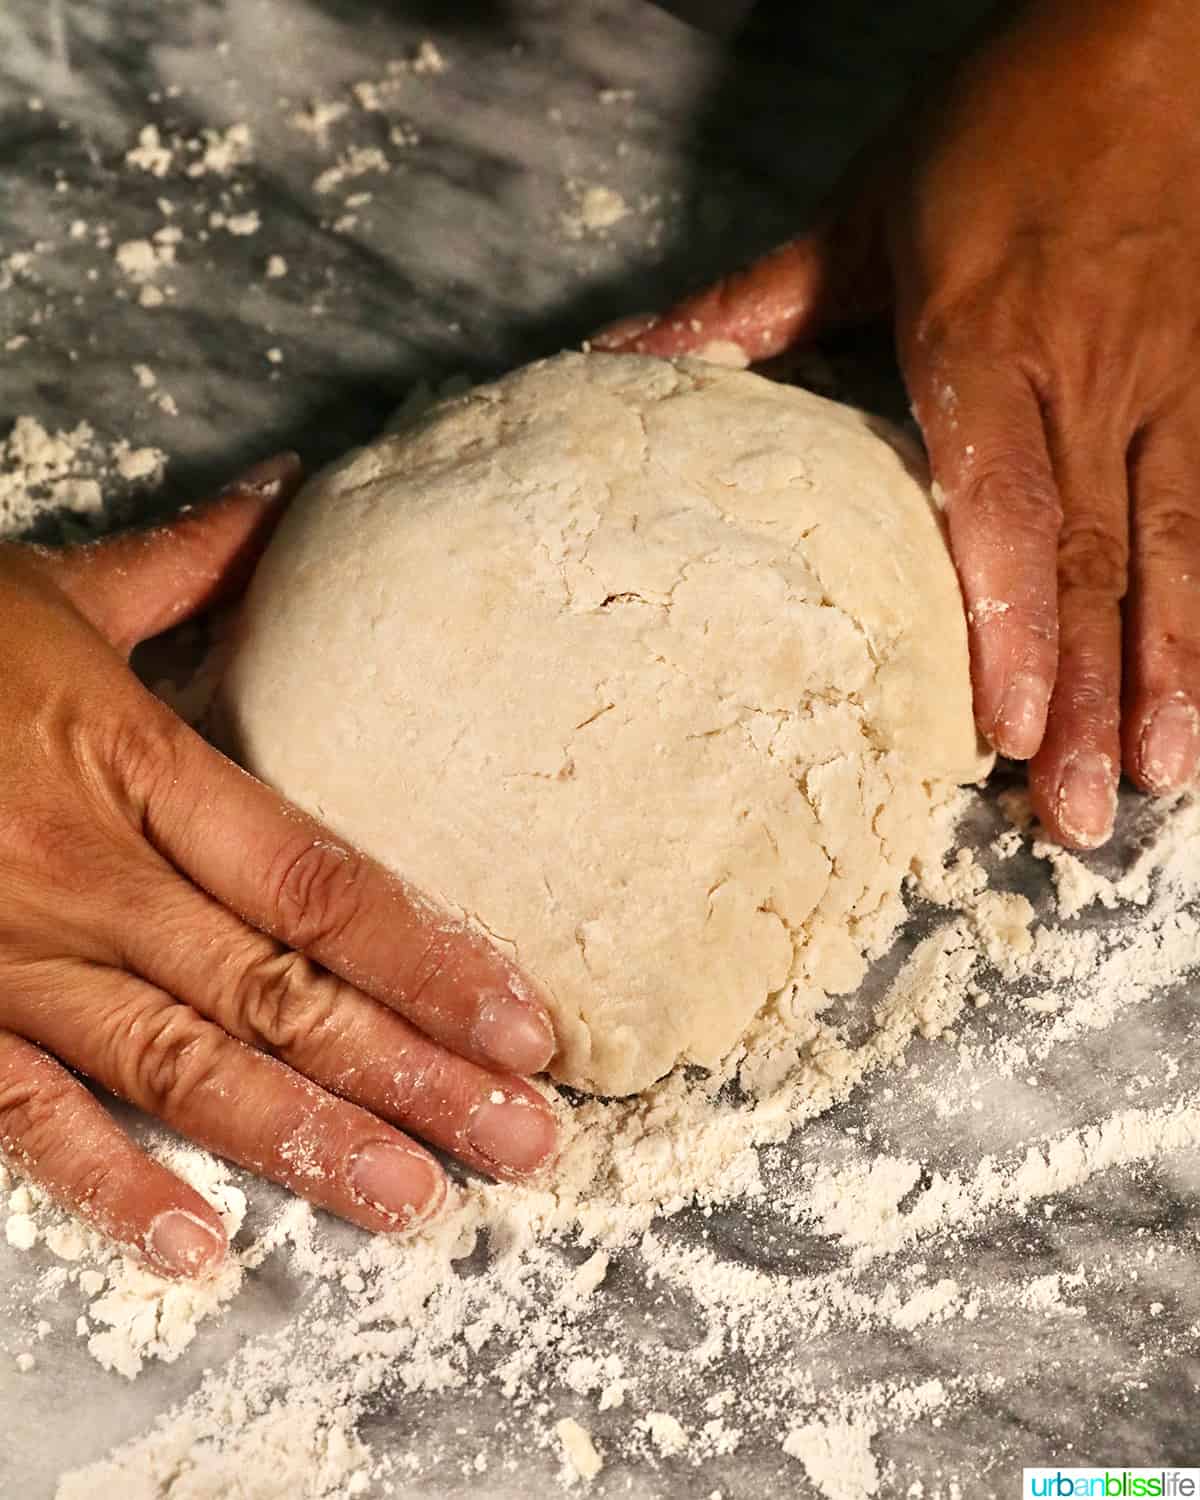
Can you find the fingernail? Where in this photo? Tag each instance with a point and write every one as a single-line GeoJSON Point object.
{"type": "Point", "coordinates": [512, 1133]}
{"type": "Point", "coordinates": [269, 478]}
{"type": "Point", "coordinates": [624, 331]}
{"type": "Point", "coordinates": [513, 1034]}
{"type": "Point", "coordinates": [1169, 746]}
{"type": "Point", "coordinates": [183, 1243]}
{"type": "Point", "coordinates": [1087, 798]}
{"type": "Point", "coordinates": [397, 1181]}
{"type": "Point", "coordinates": [1021, 720]}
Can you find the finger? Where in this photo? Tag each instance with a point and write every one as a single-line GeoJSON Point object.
{"type": "Point", "coordinates": [1161, 728]}
{"type": "Point", "coordinates": [63, 1139]}
{"type": "Point", "coordinates": [161, 1056]}
{"type": "Point", "coordinates": [136, 585]}
{"type": "Point", "coordinates": [788, 296]}
{"type": "Point", "coordinates": [1073, 778]}
{"type": "Point", "coordinates": [329, 1032]}
{"type": "Point", "coordinates": [289, 877]}
{"type": "Point", "coordinates": [988, 454]}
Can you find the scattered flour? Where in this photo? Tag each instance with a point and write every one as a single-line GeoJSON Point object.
{"type": "Point", "coordinates": [243, 224]}
{"type": "Point", "coordinates": [597, 208]}
{"type": "Point", "coordinates": [317, 118]}
{"type": "Point", "coordinates": [534, 1322]}
{"type": "Point", "coordinates": [220, 152]}
{"type": "Point", "coordinates": [151, 154]}
{"type": "Point", "coordinates": [837, 1458]}
{"type": "Point", "coordinates": [140, 260]}
{"type": "Point", "coordinates": [579, 1450]}
{"type": "Point", "coordinates": [355, 162]}
{"type": "Point", "coordinates": [43, 472]}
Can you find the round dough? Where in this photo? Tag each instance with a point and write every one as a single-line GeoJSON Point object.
{"type": "Point", "coordinates": [649, 667]}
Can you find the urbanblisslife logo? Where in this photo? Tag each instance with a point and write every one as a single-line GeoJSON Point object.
{"type": "Point", "coordinates": [1111, 1484]}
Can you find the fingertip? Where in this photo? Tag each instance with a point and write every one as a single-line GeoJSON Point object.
{"type": "Point", "coordinates": [1166, 748]}
{"type": "Point", "coordinates": [1019, 723]}
{"type": "Point", "coordinates": [268, 481]}
{"type": "Point", "coordinates": [514, 1034]}
{"type": "Point", "coordinates": [623, 335]}
{"type": "Point", "coordinates": [182, 1243]}
{"type": "Point", "coordinates": [398, 1181]}
{"type": "Point", "coordinates": [1078, 804]}
{"type": "Point", "coordinates": [514, 1132]}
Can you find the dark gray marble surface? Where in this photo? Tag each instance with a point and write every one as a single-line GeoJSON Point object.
{"type": "Point", "coordinates": [460, 262]}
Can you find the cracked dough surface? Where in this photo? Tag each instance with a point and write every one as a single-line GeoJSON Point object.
{"type": "Point", "coordinates": [650, 667]}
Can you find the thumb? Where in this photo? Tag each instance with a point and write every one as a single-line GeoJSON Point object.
{"type": "Point", "coordinates": [834, 275]}
{"type": "Point", "coordinates": [135, 585]}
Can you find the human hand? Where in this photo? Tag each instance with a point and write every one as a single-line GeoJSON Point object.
{"type": "Point", "coordinates": [1034, 235]}
{"type": "Point", "coordinates": [175, 931]}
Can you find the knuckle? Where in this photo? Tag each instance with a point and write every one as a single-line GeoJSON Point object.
{"type": "Point", "coordinates": [281, 1002]}
{"type": "Point", "coordinates": [1089, 695]}
{"type": "Point", "coordinates": [1005, 492]}
{"type": "Point", "coordinates": [172, 1061]}
{"type": "Point", "coordinates": [314, 889]}
{"type": "Point", "coordinates": [32, 1113]}
{"type": "Point", "coordinates": [962, 323]}
{"type": "Point", "coordinates": [139, 753]}
{"type": "Point", "coordinates": [1092, 559]}
{"type": "Point", "coordinates": [34, 831]}
{"type": "Point", "coordinates": [1169, 531]}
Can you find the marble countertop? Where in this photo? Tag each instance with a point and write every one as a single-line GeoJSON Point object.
{"type": "Point", "coordinates": [469, 256]}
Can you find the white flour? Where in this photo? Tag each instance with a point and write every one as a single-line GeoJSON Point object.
{"type": "Point", "coordinates": [42, 472]}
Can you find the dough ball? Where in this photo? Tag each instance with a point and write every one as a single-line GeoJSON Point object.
{"type": "Point", "coordinates": [647, 666]}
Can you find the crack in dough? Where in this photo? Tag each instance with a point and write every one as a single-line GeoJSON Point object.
{"type": "Point", "coordinates": [655, 666]}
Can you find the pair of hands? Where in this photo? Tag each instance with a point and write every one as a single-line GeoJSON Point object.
{"type": "Point", "coordinates": [173, 930]}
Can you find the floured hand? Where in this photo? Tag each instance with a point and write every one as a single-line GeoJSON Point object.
{"type": "Point", "coordinates": [173, 930]}
{"type": "Point", "coordinates": [1035, 232]}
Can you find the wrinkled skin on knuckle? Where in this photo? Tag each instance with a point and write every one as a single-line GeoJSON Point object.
{"type": "Point", "coordinates": [31, 1113]}
{"type": "Point", "coordinates": [1168, 532]}
{"type": "Point", "coordinates": [1086, 708]}
{"type": "Point", "coordinates": [167, 1062]}
{"type": "Point", "coordinates": [1087, 695]}
{"type": "Point", "coordinates": [129, 759]}
{"type": "Point", "coordinates": [281, 1002]}
{"type": "Point", "coordinates": [313, 888]}
{"type": "Point", "coordinates": [1005, 494]}
{"type": "Point", "coordinates": [34, 1108]}
{"type": "Point", "coordinates": [1092, 560]}
{"type": "Point", "coordinates": [38, 840]}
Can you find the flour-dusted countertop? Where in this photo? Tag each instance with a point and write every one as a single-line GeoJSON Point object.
{"type": "Point", "coordinates": [232, 228]}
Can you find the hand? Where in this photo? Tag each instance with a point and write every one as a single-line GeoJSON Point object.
{"type": "Point", "coordinates": [172, 929]}
{"type": "Point", "coordinates": [1035, 235]}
